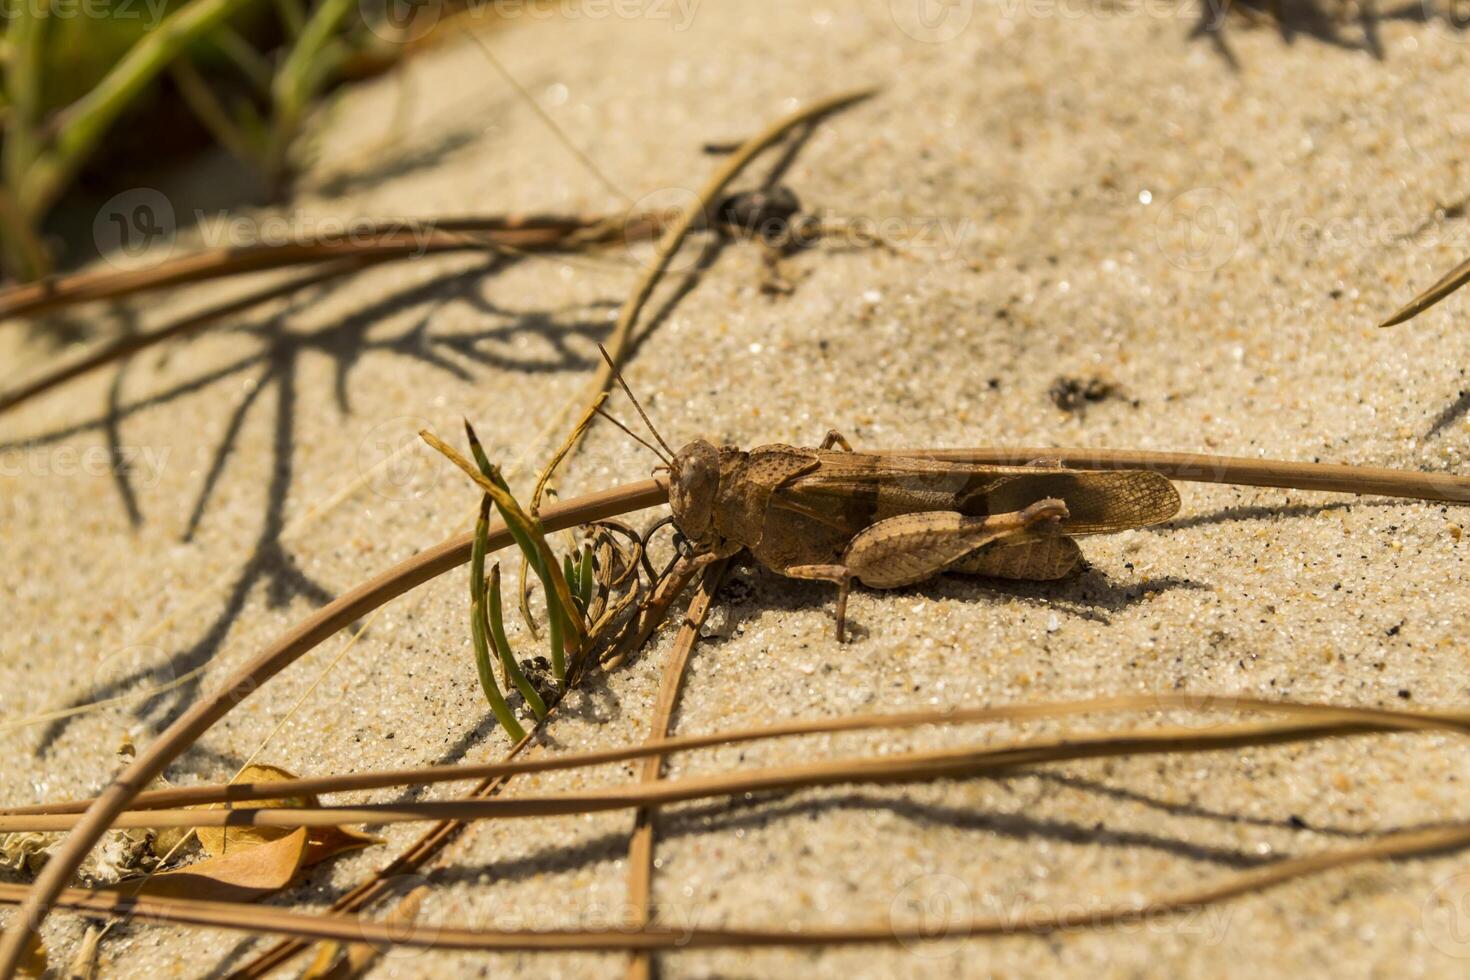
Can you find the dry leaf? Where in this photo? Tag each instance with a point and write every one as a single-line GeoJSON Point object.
{"type": "Point", "coordinates": [246, 863]}
{"type": "Point", "coordinates": [322, 843]}
{"type": "Point", "coordinates": [219, 840]}
{"type": "Point", "coordinates": [26, 853]}
{"type": "Point", "coordinates": [242, 875]}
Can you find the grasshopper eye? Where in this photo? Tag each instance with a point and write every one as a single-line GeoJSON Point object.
{"type": "Point", "coordinates": [693, 487]}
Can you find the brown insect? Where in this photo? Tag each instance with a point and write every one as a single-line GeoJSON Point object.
{"type": "Point", "coordinates": [888, 521]}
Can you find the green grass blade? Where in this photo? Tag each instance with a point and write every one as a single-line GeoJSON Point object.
{"type": "Point", "coordinates": [478, 620]}
{"type": "Point", "coordinates": [502, 648]}
{"type": "Point", "coordinates": [564, 620]}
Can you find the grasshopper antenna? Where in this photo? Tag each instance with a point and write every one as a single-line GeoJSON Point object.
{"type": "Point", "coordinates": [632, 398]}
{"type": "Point", "coordinates": [634, 436]}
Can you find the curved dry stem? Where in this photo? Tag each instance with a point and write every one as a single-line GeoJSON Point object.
{"type": "Point", "coordinates": [1326, 720]}
{"type": "Point", "coordinates": [640, 848]}
{"type": "Point", "coordinates": [905, 767]}
{"type": "Point", "coordinates": [1241, 470]}
{"type": "Point", "coordinates": [384, 240]}
{"type": "Point", "coordinates": [1038, 921]}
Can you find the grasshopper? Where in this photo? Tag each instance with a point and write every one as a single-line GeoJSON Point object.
{"type": "Point", "coordinates": [833, 514]}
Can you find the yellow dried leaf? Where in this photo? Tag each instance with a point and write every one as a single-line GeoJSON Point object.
{"type": "Point", "coordinates": [322, 842]}
{"type": "Point", "coordinates": [219, 840]}
{"type": "Point", "coordinates": [242, 875]}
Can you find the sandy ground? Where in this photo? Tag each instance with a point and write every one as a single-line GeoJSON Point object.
{"type": "Point", "coordinates": [1091, 193]}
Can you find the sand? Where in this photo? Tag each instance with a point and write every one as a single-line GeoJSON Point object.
{"type": "Point", "coordinates": [1093, 193]}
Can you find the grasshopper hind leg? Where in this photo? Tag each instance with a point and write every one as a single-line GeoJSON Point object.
{"type": "Point", "coordinates": [1031, 558]}
{"type": "Point", "coordinates": [910, 548]}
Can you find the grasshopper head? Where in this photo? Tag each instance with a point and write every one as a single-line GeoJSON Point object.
{"type": "Point", "coordinates": [694, 485]}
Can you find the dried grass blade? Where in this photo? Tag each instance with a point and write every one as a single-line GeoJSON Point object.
{"type": "Point", "coordinates": [1034, 922]}
{"type": "Point", "coordinates": [640, 848]}
{"type": "Point", "coordinates": [1314, 721]}
{"type": "Point", "coordinates": [1451, 281]}
{"type": "Point", "coordinates": [962, 763]}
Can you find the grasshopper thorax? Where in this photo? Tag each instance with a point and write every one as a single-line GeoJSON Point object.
{"type": "Point", "coordinates": [694, 486]}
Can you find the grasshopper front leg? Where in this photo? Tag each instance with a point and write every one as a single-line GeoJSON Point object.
{"type": "Point", "coordinates": [911, 548]}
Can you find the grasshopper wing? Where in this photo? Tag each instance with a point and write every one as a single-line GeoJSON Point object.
{"type": "Point", "coordinates": [1099, 501]}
